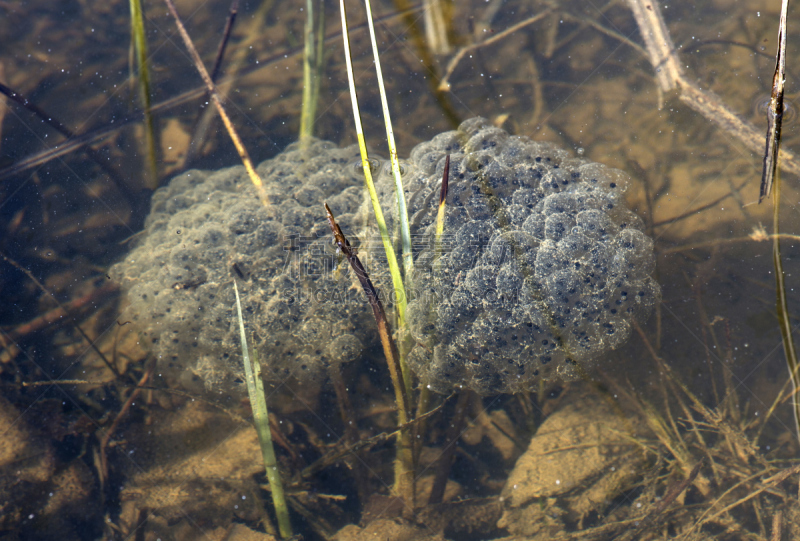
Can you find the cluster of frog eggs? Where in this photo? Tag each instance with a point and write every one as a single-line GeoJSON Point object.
{"type": "Point", "coordinates": [541, 267]}
{"type": "Point", "coordinates": [206, 229]}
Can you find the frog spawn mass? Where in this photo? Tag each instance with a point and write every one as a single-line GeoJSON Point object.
{"type": "Point", "coordinates": [540, 270]}
{"type": "Point", "coordinates": [541, 267]}
{"type": "Point", "coordinates": [206, 229]}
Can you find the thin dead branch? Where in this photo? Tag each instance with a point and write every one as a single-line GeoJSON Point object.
{"type": "Point", "coordinates": [56, 315]}
{"type": "Point", "coordinates": [49, 119]}
{"type": "Point", "coordinates": [444, 84]}
{"type": "Point", "coordinates": [406, 478]}
{"type": "Point", "coordinates": [215, 98]}
{"type": "Point", "coordinates": [669, 74]}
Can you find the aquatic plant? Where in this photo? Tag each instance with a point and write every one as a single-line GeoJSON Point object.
{"type": "Point", "coordinates": [258, 400]}
{"type": "Point", "coordinates": [695, 466]}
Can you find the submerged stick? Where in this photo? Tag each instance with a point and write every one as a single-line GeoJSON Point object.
{"type": "Point", "coordinates": [63, 309]}
{"type": "Point", "coordinates": [335, 455]}
{"type": "Point", "coordinates": [777, 526]}
{"type": "Point", "coordinates": [444, 84]}
{"type": "Point", "coordinates": [445, 461]}
{"type": "Point", "coordinates": [765, 485]}
{"type": "Point", "coordinates": [202, 121]}
{"type": "Point", "coordinates": [72, 145]}
{"type": "Point", "coordinates": [670, 496]}
{"type": "Point", "coordinates": [405, 475]}
{"type": "Point", "coordinates": [226, 36]}
{"type": "Point", "coordinates": [212, 90]}
{"type": "Point", "coordinates": [46, 117]}
{"type": "Point", "coordinates": [669, 74]}
{"type": "Point", "coordinates": [109, 432]}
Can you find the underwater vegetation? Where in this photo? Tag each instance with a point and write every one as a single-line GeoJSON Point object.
{"type": "Point", "coordinates": [662, 415]}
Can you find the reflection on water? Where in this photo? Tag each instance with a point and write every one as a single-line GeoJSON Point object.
{"type": "Point", "coordinates": [683, 432]}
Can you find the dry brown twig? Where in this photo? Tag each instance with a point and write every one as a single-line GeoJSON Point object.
{"type": "Point", "coordinates": [765, 485]}
{"type": "Point", "coordinates": [406, 479]}
{"type": "Point", "coordinates": [669, 75]}
{"type": "Point", "coordinates": [8, 342]}
{"type": "Point", "coordinates": [777, 521]}
{"type": "Point", "coordinates": [217, 100]}
{"type": "Point", "coordinates": [109, 432]}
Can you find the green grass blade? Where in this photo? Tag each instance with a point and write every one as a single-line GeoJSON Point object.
{"type": "Point", "coordinates": [391, 257]}
{"type": "Point", "coordinates": [140, 51]}
{"type": "Point", "coordinates": [258, 401]}
{"type": "Point", "coordinates": [312, 62]}
{"type": "Point", "coordinates": [402, 210]}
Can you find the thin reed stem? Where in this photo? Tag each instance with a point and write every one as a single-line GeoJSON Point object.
{"type": "Point", "coordinates": [784, 319]}
{"type": "Point", "coordinates": [404, 465]}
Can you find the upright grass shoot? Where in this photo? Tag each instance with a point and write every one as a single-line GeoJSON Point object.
{"type": "Point", "coordinates": [402, 211]}
{"type": "Point", "coordinates": [258, 401]}
{"type": "Point", "coordinates": [140, 52]}
{"type": "Point", "coordinates": [404, 465]}
{"type": "Point", "coordinates": [314, 38]}
{"type": "Point", "coordinates": [394, 269]}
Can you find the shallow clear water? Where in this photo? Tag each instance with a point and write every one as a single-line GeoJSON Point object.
{"type": "Point", "coordinates": [704, 381]}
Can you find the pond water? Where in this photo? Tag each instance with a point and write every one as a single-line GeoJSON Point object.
{"type": "Point", "coordinates": [116, 421]}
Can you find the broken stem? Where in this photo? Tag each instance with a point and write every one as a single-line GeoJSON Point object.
{"type": "Point", "coordinates": [404, 473]}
